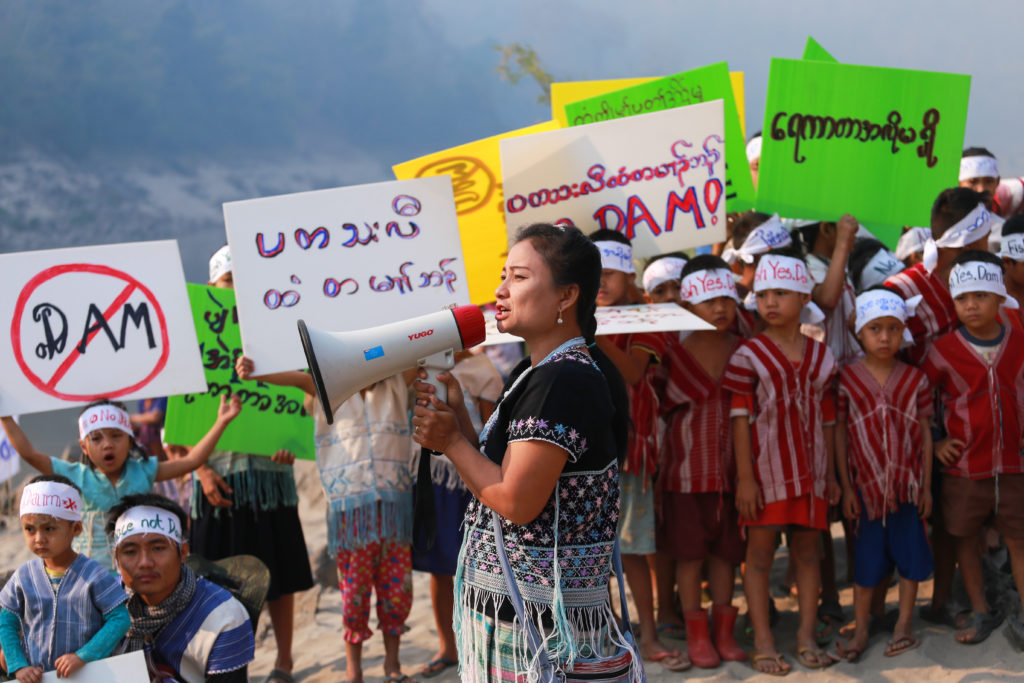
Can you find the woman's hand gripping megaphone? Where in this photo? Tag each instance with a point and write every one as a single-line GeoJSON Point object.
{"type": "Point", "coordinates": [435, 422]}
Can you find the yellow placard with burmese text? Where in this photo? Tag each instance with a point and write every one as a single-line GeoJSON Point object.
{"type": "Point", "coordinates": [574, 91]}
{"type": "Point", "coordinates": [475, 168]}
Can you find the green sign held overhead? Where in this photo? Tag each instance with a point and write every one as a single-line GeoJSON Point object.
{"type": "Point", "coordinates": [272, 417]}
{"type": "Point", "coordinates": [815, 52]}
{"type": "Point", "coordinates": [878, 143]}
{"type": "Point", "coordinates": [689, 87]}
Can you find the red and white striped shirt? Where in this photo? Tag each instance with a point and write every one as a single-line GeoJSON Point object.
{"type": "Point", "coordinates": [788, 446]}
{"type": "Point", "coordinates": [642, 455]}
{"type": "Point", "coordinates": [696, 450]}
{"type": "Point", "coordinates": [984, 402]}
{"type": "Point", "coordinates": [935, 314]}
{"type": "Point", "coordinates": [884, 439]}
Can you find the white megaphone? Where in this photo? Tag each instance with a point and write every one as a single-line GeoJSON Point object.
{"type": "Point", "coordinates": [342, 363]}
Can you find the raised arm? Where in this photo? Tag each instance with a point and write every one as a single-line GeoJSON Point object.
{"type": "Point", "coordinates": [828, 292]}
{"type": "Point", "coordinates": [228, 411]}
{"type": "Point", "coordinates": [28, 453]}
{"type": "Point", "coordinates": [292, 378]}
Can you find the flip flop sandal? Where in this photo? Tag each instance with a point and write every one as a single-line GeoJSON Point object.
{"type": "Point", "coordinates": [279, 675]}
{"type": "Point", "coordinates": [898, 646]}
{"type": "Point", "coordinates": [845, 653]}
{"type": "Point", "coordinates": [436, 667]}
{"type": "Point", "coordinates": [678, 662]}
{"type": "Point", "coordinates": [821, 658]}
{"type": "Point", "coordinates": [784, 666]}
{"type": "Point", "coordinates": [983, 624]}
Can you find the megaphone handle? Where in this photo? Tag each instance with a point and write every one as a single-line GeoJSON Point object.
{"type": "Point", "coordinates": [441, 361]}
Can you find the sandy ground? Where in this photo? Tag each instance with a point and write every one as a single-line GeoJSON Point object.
{"type": "Point", "coordinates": [320, 655]}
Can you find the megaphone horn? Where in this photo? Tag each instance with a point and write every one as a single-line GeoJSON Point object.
{"type": "Point", "coordinates": [342, 363]}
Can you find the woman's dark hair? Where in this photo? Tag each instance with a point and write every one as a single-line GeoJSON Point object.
{"type": "Point", "coordinates": [152, 500]}
{"type": "Point", "coordinates": [978, 255]}
{"type": "Point", "coordinates": [703, 262]}
{"type": "Point", "coordinates": [951, 206]}
{"type": "Point", "coordinates": [863, 251]}
{"type": "Point", "coordinates": [574, 260]}
{"type": "Point", "coordinates": [56, 478]}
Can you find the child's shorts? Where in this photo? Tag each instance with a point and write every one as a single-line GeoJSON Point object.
{"type": "Point", "coordinates": [636, 514]}
{"type": "Point", "coordinates": [968, 503]}
{"type": "Point", "coordinates": [902, 543]}
{"type": "Point", "coordinates": [695, 525]}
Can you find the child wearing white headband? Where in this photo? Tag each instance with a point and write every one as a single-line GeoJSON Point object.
{"type": "Point", "coordinates": [699, 524]}
{"type": "Point", "coordinates": [661, 279]}
{"type": "Point", "coordinates": [783, 421]}
{"type": "Point", "coordinates": [979, 170]}
{"type": "Point", "coordinates": [1012, 253]}
{"type": "Point", "coordinates": [883, 457]}
{"type": "Point", "coordinates": [107, 472]}
{"type": "Point", "coordinates": [978, 373]}
{"type": "Point", "coordinates": [756, 234]}
{"type": "Point", "coordinates": [634, 355]}
{"type": "Point", "coordinates": [61, 610]}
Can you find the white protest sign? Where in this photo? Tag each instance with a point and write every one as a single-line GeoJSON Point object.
{"type": "Point", "coordinates": [89, 322]}
{"type": "Point", "coordinates": [10, 463]}
{"type": "Point", "coordinates": [342, 259]}
{"type": "Point", "coordinates": [126, 668]}
{"type": "Point", "coordinates": [658, 178]}
{"type": "Point", "coordinates": [623, 320]}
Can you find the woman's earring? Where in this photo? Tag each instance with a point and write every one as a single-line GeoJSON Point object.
{"type": "Point", "coordinates": [559, 316]}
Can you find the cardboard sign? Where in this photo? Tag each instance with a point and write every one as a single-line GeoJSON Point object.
{"type": "Point", "coordinates": [622, 320]}
{"type": "Point", "coordinates": [683, 89]}
{"type": "Point", "coordinates": [342, 259]}
{"type": "Point", "coordinates": [567, 92]}
{"type": "Point", "coordinates": [126, 668]}
{"type": "Point", "coordinates": [475, 169]}
{"type": "Point", "coordinates": [878, 143]}
{"type": "Point", "coordinates": [10, 463]}
{"type": "Point", "coordinates": [272, 417]}
{"type": "Point", "coordinates": [657, 178]}
{"type": "Point", "coordinates": [815, 52]}
{"type": "Point", "coordinates": [92, 322]}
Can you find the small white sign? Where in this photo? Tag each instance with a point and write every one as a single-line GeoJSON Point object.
{"type": "Point", "coordinates": [342, 259]}
{"type": "Point", "coordinates": [126, 668]}
{"type": "Point", "coordinates": [623, 320]}
{"type": "Point", "coordinates": [83, 323]}
{"type": "Point", "coordinates": [658, 178]}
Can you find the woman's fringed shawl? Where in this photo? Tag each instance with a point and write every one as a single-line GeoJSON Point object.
{"type": "Point", "coordinates": [365, 467]}
{"type": "Point", "coordinates": [562, 559]}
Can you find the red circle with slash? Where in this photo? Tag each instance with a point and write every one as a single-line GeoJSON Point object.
{"type": "Point", "coordinates": [131, 285]}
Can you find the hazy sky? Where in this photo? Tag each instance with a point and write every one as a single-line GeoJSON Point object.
{"type": "Point", "coordinates": [595, 39]}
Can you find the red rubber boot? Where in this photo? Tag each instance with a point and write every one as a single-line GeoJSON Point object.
{"type": "Point", "coordinates": [698, 640]}
{"type": "Point", "coordinates": [723, 619]}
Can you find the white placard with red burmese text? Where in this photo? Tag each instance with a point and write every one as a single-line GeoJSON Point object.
{"type": "Point", "coordinates": [658, 178]}
{"type": "Point", "coordinates": [342, 259]}
{"type": "Point", "coordinates": [623, 320]}
{"type": "Point", "coordinates": [88, 322]}
{"type": "Point", "coordinates": [126, 668]}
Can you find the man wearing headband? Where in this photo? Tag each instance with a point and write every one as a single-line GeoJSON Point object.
{"type": "Point", "coordinates": [661, 279]}
{"type": "Point", "coordinates": [959, 221]}
{"type": "Point", "coordinates": [978, 372]}
{"type": "Point", "coordinates": [61, 610]}
{"type": "Point", "coordinates": [247, 504]}
{"type": "Point", "coordinates": [190, 630]}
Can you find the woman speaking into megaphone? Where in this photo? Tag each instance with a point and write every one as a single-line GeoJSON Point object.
{"type": "Point", "coordinates": [544, 475]}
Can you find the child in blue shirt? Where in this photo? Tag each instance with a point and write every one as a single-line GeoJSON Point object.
{"type": "Point", "coordinates": [68, 609]}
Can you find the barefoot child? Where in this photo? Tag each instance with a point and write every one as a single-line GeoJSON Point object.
{"type": "Point", "coordinates": [783, 432]}
{"type": "Point", "coordinates": [633, 356]}
{"type": "Point", "coordinates": [883, 457]}
{"type": "Point", "coordinates": [69, 609]}
{"type": "Point", "coordinates": [108, 473]}
{"type": "Point", "coordinates": [978, 371]}
{"type": "Point", "coordinates": [699, 522]}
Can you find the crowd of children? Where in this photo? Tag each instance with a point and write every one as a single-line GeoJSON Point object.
{"type": "Point", "coordinates": [835, 380]}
